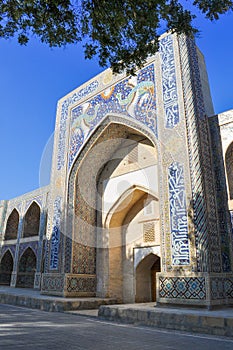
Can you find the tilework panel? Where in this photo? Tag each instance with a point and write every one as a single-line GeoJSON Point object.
{"type": "Point", "coordinates": [182, 287]}
{"type": "Point", "coordinates": [228, 286]}
{"type": "Point", "coordinates": [214, 241]}
{"type": "Point", "coordinates": [133, 97]}
{"type": "Point", "coordinates": [12, 248]}
{"type": "Point", "coordinates": [81, 284]}
{"type": "Point", "coordinates": [63, 119]}
{"type": "Point", "coordinates": [55, 239]}
{"type": "Point", "coordinates": [83, 259]}
{"type": "Point", "coordinates": [221, 288]}
{"type": "Point", "coordinates": [38, 200]}
{"type": "Point", "coordinates": [178, 215]}
{"type": "Point", "coordinates": [24, 246]}
{"type": "Point", "coordinates": [52, 282]}
{"type": "Point", "coordinates": [170, 95]}
{"type": "Point", "coordinates": [46, 255]}
{"type": "Point", "coordinates": [231, 215]}
{"type": "Point", "coordinates": [204, 205]}
{"type": "Point", "coordinates": [225, 227]}
{"type": "Point", "coordinates": [2, 221]}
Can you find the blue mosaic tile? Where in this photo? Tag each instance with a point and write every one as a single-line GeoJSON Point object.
{"type": "Point", "coordinates": [170, 95]}
{"type": "Point", "coordinates": [63, 119]}
{"type": "Point", "coordinates": [133, 97]}
{"type": "Point", "coordinates": [55, 240]}
{"type": "Point", "coordinates": [178, 215]}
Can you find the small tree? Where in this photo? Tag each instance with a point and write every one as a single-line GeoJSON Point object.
{"type": "Point", "coordinates": [121, 33]}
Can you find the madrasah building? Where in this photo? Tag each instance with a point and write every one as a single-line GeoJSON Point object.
{"type": "Point", "coordinates": [141, 192]}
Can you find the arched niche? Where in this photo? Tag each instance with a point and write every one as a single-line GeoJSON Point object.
{"type": "Point", "coordinates": [26, 269]}
{"type": "Point", "coordinates": [12, 225]}
{"type": "Point", "coordinates": [32, 221]}
{"type": "Point", "coordinates": [6, 268]}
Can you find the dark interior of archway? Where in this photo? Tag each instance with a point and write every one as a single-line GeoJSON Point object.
{"type": "Point", "coordinates": [27, 268]}
{"type": "Point", "coordinates": [146, 278]}
{"type": "Point", "coordinates": [6, 268]}
{"type": "Point", "coordinates": [32, 221]}
{"type": "Point", "coordinates": [12, 225]}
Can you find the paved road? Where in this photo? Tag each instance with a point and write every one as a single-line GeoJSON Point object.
{"type": "Point", "coordinates": [22, 328]}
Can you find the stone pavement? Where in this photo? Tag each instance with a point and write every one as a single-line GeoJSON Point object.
{"type": "Point", "coordinates": [27, 329]}
{"type": "Point", "coordinates": [215, 322]}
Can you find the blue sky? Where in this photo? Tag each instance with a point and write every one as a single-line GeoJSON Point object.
{"type": "Point", "coordinates": [34, 77]}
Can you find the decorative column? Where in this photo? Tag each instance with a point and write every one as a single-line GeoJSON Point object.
{"type": "Point", "coordinates": [39, 263]}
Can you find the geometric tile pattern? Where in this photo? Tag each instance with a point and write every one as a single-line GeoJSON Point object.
{"type": "Point", "coordinates": [225, 226]}
{"type": "Point", "coordinates": [170, 96]}
{"type": "Point", "coordinates": [38, 199]}
{"type": "Point", "coordinates": [228, 286]}
{"type": "Point", "coordinates": [55, 239]}
{"type": "Point", "coordinates": [133, 97]}
{"type": "Point", "coordinates": [53, 282]}
{"type": "Point", "coordinates": [24, 246]}
{"type": "Point", "coordinates": [11, 248]}
{"type": "Point", "coordinates": [64, 115]}
{"type": "Point", "coordinates": [221, 288]}
{"type": "Point", "coordinates": [178, 215]}
{"type": "Point", "coordinates": [83, 284]}
{"type": "Point", "coordinates": [214, 241]}
{"type": "Point", "coordinates": [204, 205]}
{"type": "Point", "coordinates": [182, 287]}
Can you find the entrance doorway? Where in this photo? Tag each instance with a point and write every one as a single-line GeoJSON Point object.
{"type": "Point", "coordinates": [146, 279]}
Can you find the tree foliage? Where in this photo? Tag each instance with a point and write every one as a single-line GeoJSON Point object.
{"type": "Point", "coordinates": [121, 33]}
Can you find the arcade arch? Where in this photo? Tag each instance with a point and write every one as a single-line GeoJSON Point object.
{"type": "Point", "coordinates": [32, 221]}
{"type": "Point", "coordinates": [26, 269]}
{"type": "Point", "coordinates": [12, 225]}
{"type": "Point", "coordinates": [6, 268]}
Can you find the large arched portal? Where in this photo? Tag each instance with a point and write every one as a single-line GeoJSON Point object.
{"type": "Point", "coordinates": [116, 209]}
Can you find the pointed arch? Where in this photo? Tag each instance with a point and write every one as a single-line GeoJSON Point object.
{"type": "Point", "coordinates": [32, 221]}
{"type": "Point", "coordinates": [12, 225]}
{"type": "Point", "coordinates": [26, 269]}
{"type": "Point", "coordinates": [127, 199]}
{"type": "Point", "coordinates": [85, 203]}
{"type": "Point", "coordinates": [229, 169]}
{"type": "Point", "coordinates": [119, 119]}
{"type": "Point", "coordinates": [6, 268]}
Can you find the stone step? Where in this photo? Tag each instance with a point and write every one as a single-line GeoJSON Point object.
{"type": "Point", "coordinates": [214, 322]}
{"type": "Point", "coordinates": [33, 299]}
